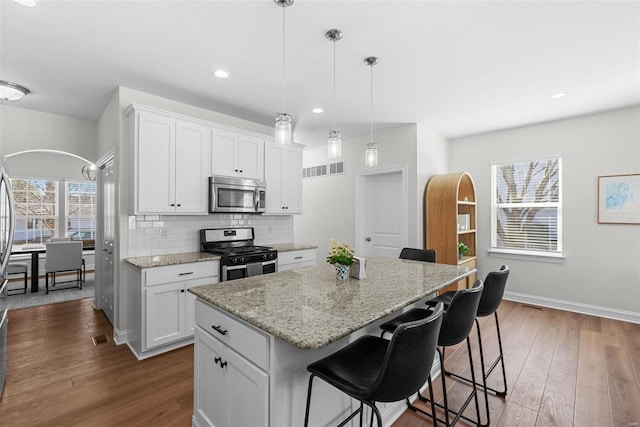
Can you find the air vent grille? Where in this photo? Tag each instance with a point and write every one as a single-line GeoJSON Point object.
{"type": "Point", "coordinates": [323, 170]}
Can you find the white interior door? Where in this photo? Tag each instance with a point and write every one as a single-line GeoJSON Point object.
{"type": "Point", "coordinates": [384, 218]}
{"type": "Point", "coordinates": [107, 266]}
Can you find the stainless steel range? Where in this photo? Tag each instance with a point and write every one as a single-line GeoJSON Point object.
{"type": "Point", "coordinates": [239, 257]}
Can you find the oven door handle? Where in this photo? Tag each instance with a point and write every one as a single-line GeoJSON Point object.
{"type": "Point", "coordinates": [269, 262]}
{"type": "Point", "coordinates": [237, 267]}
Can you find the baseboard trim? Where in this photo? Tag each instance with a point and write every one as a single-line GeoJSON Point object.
{"type": "Point", "coordinates": [608, 313]}
{"type": "Point", "coordinates": [119, 337]}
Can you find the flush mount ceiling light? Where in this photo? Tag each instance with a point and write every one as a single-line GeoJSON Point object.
{"type": "Point", "coordinates": [283, 120]}
{"type": "Point", "coordinates": [317, 110]}
{"type": "Point", "coordinates": [11, 91]}
{"type": "Point", "coordinates": [221, 74]}
{"type": "Point", "coordinates": [28, 3]}
{"type": "Point", "coordinates": [371, 150]}
{"type": "Point", "coordinates": [334, 143]}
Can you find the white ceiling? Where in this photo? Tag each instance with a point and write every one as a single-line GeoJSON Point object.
{"type": "Point", "coordinates": [457, 67]}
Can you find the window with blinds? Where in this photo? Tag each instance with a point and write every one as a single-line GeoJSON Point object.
{"type": "Point", "coordinates": [526, 207]}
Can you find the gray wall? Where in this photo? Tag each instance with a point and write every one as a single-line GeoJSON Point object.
{"type": "Point", "coordinates": [601, 272]}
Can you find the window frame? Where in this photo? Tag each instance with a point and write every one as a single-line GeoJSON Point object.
{"type": "Point", "coordinates": [67, 218]}
{"type": "Point", "coordinates": [532, 254]}
{"type": "Point", "coordinates": [61, 216]}
{"type": "Point", "coordinates": [27, 219]}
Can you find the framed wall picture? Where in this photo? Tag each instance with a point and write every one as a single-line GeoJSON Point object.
{"type": "Point", "coordinates": [619, 199]}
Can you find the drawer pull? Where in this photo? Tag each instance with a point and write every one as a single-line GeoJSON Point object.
{"type": "Point", "coordinates": [298, 257]}
{"type": "Point", "coordinates": [219, 329]}
{"type": "Point", "coordinates": [185, 274]}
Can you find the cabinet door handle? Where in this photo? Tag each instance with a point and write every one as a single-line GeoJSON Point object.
{"type": "Point", "coordinates": [185, 274]}
{"type": "Point", "coordinates": [173, 204]}
{"type": "Point", "coordinates": [182, 290]}
{"type": "Point", "coordinates": [179, 205]}
{"type": "Point", "coordinates": [223, 364]}
{"type": "Point", "coordinates": [217, 360]}
{"type": "Point", "coordinates": [219, 330]}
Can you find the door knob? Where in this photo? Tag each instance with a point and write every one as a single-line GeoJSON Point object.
{"type": "Point", "coordinates": [368, 239]}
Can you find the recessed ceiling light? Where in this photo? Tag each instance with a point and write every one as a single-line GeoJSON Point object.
{"type": "Point", "coordinates": [317, 110]}
{"type": "Point", "coordinates": [11, 91]}
{"type": "Point", "coordinates": [28, 3]}
{"type": "Point", "coordinates": [221, 74]}
{"type": "Point", "coordinates": [558, 95]}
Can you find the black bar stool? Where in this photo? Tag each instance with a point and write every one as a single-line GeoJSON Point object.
{"type": "Point", "coordinates": [424, 255]}
{"type": "Point", "coordinates": [456, 327]}
{"type": "Point", "coordinates": [373, 369]}
{"type": "Point", "coordinates": [494, 285]}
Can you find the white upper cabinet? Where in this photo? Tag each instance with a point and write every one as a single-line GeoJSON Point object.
{"type": "Point", "coordinates": [170, 164]}
{"type": "Point", "coordinates": [237, 155]}
{"type": "Point", "coordinates": [283, 176]}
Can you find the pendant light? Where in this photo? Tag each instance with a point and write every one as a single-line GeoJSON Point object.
{"type": "Point", "coordinates": [371, 150]}
{"type": "Point", "coordinates": [283, 120]}
{"type": "Point", "coordinates": [335, 140]}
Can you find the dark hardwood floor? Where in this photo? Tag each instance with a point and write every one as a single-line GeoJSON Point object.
{"type": "Point", "coordinates": [563, 369]}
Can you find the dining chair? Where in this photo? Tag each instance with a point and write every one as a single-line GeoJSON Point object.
{"type": "Point", "coordinates": [18, 268]}
{"type": "Point", "coordinates": [69, 239]}
{"type": "Point", "coordinates": [63, 257]}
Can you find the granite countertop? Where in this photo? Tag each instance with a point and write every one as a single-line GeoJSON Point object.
{"type": "Point", "coordinates": [172, 259]}
{"type": "Point", "coordinates": [310, 309]}
{"type": "Point", "coordinates": [289, 247]}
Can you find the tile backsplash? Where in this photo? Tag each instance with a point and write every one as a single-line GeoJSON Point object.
{"type": "Point", "coordinates": [168, 234]}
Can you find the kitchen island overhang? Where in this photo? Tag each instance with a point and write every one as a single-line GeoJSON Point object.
{"type": "Point", "coordinates": [282, 322]}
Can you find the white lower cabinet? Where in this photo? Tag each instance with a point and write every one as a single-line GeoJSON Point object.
{"type": "Point", "coordinates": [291, 260]}
{"type": "Point", "coordinates": [161, 308]}
{"type": "Point", "coordinates": [230, 389]}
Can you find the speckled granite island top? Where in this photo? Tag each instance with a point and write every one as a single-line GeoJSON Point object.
{"type": "Point", "coordinates": [290, 247]}
{"type": "Point", "coordinates": [172, 259]}
{"type": "Point", "coordinates": [310, 309]}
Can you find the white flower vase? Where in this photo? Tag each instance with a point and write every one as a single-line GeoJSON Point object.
{"type": "Point", "coordinates": [342, 271]}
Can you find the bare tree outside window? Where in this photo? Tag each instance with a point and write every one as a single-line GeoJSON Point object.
{"type": "Point", "coordinates": [526, 213]}
{"type": "Point", "coordinates": [36, 209]}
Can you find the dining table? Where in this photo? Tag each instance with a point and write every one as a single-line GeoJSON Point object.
{"type": "Point", "coordinates": [35, 251]}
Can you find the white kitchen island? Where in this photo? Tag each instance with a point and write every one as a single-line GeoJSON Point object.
{"type": "Point", "coordinates": [255, 337]}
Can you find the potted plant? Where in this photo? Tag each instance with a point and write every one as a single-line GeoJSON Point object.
{"type": "Point", "coordinates": [340, 256]}
{"type": "Point", "coordinates": [463, 250]}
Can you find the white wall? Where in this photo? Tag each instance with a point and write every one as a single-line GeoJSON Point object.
{"type": "Point", "coordinates": [29, 130]}
{"type": "Point", "coordinates": [602, 265]}
{"type": "Point", "coordinates": [329, 209]}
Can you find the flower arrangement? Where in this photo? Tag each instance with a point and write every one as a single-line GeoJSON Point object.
{"type": "Point", "coordinates": [340, 253]}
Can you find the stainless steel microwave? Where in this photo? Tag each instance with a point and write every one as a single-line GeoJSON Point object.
{"type": "Point", "coordinates": [236, 195]}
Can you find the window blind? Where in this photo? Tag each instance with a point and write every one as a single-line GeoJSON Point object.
{"type": "Point", "coordinates": [526, 214]}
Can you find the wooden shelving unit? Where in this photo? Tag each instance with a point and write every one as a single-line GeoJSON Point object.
{"type": "Point", "coordinates": [447, 196]}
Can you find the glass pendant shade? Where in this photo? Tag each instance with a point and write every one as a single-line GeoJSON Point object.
{"type": "Point", "coordinates": [283, 129]}
{"type": "Point", "coordinates": [371, 155]}
{"type": "Point", "coordinates": [334, 145]}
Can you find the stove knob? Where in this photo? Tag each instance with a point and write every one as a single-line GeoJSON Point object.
{"type": "Point", "coordinates": [234, 260]}
{"type": "Point", "coordinates": [242, 260]}
{"type": "Point", "coordinates": [264, 256]}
